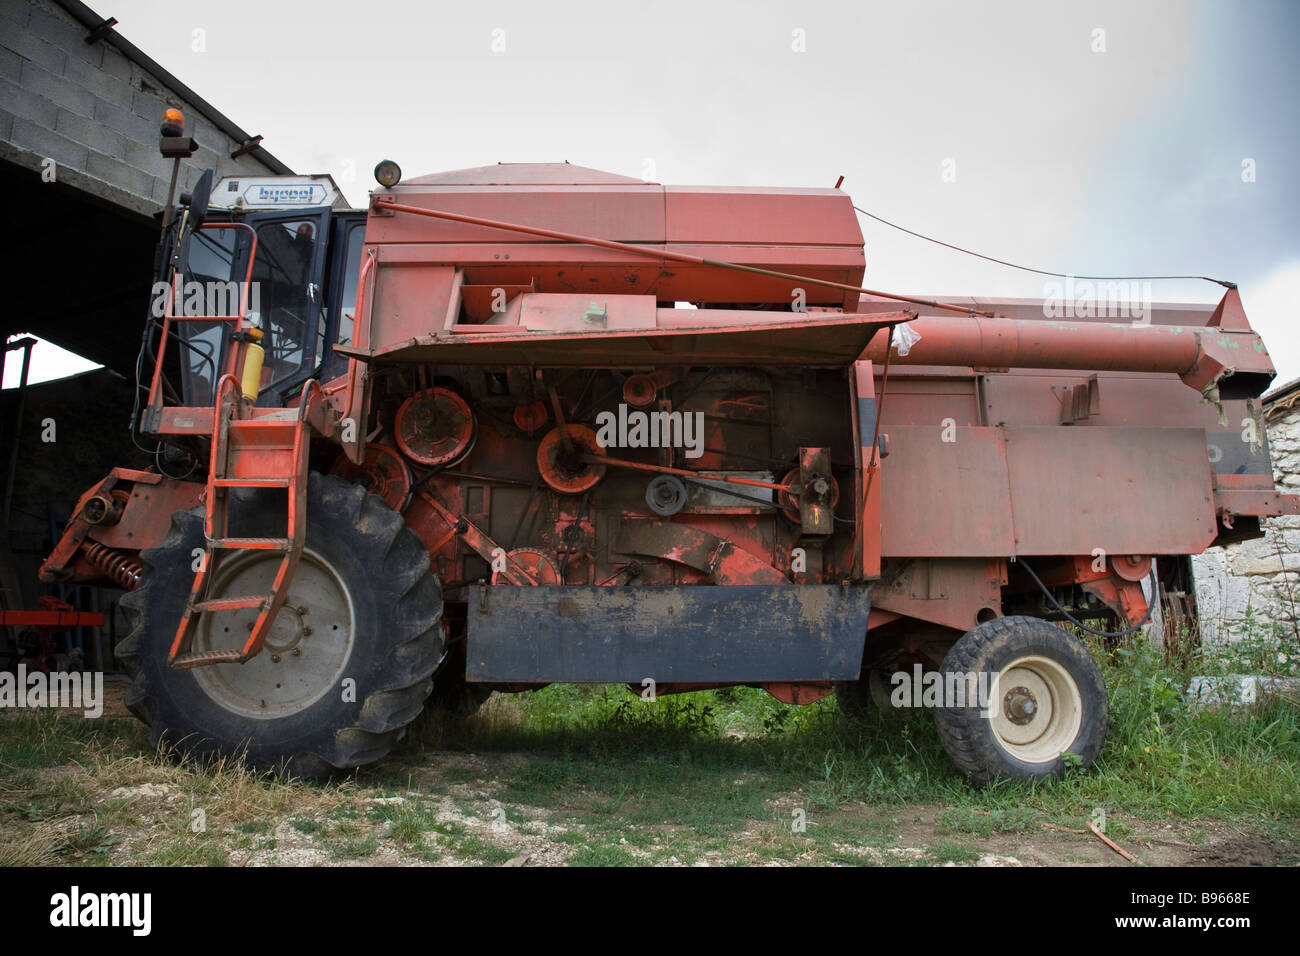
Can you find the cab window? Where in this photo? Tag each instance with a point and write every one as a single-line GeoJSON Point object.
{"type": "Point", "coordinates": [351, 269]}
{"type": "Point", "coordinates": [286, 296]}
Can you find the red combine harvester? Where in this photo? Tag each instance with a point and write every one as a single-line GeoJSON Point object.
{"type": "Point", "coordinates": [538, 423]}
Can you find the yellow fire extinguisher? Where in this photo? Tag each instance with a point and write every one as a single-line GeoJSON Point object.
{"type": "Point", "coordinates": [254, 355]}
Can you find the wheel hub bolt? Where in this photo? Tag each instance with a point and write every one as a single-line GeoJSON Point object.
{"type": "Point", "coordinates": [1019, 705]}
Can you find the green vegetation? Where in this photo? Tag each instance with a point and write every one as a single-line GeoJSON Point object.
{"type": "Point", "coordinates": [599, 776]}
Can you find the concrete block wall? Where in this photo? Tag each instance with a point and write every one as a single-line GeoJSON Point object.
{"type": "Point", "coordinates": [1256, 584]}
{"type": "Point", "coordinates": [95, 112]}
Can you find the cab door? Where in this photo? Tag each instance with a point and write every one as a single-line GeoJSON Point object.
{"type": "Point", "coordinates": [348, 236]}
{"type": "Point", "coordinates": [288, 295]}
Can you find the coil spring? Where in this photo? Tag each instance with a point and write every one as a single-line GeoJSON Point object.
{"type": "Point", "coordinates": [122, 568]}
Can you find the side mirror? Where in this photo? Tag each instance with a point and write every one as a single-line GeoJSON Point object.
{"type": "Point", "coordinates": [199, 197]}
{"type": "Point", "coordinates": [197, 201]}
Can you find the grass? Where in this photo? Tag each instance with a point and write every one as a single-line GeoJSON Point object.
{"type": "Point", "coordinates": [949, 852]}
{"type": "Point", "coordinates": [604, 854]}
{"type": "Point", "coordinates": [1272, 650]}
{"type": "Point", "coordinates": [985, 823]}
{"type": "Point", "coordinates": [702, 762]}
{"type": "Point", "coordinates": [644, 762]}
{"type": "Point", "coordinates": [598, 776]}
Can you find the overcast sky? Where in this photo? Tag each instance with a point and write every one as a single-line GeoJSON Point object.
{"type": "Point", "coordinates": [1102, 138]}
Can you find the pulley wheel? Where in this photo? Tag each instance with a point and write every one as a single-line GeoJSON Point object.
{"type": "Point", "coordinates": [1131, 567]}
{"type": "Point", "coordinates": [666, 495]}
{"type": "Point", "coordinates": [382, 472]}
{"type": "Point", "coordinates": [534, 563]}
{"type": "Point", "coordinates": [789, 500]}
{"type": "Point", "coordinates": [566, 472]}
{"type": "Point", "coordinates": [434, 427]}
{"type": "Point", "coordinates": [528, 418]}
{"type": "Point", "coordinates": [639, 390]}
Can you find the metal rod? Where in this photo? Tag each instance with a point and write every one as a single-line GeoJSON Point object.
{"type": "Point", "coordinates": [685, 473]}
{"type": "Point", "coordinates": [171, 196]}
{"type": "Point", "coordinates": [565, 439]}
{"type": "Point", "coordinates": [26, 345]}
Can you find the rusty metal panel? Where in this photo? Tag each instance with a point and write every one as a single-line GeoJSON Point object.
{"type": "Point", "coordinates": [409, 301]}
{"type": "Point", "coordinates": [783, 216]}
{"type": "Point", "coordinates": [1126, 490]}
{"type": "Point", "coordinates": [946, 498]}
{"type": "Point", "coordinates": [569, 267]}
{"type": "Point", "coordinates": [541, 311]}
{"type": "Point", "coordinates": [1138, 400]}
{"type": "Point", "coordinates": [147, 517]}
{"type": "Point", "coordinates": [951, 592]}
{"type": "Point", "coordinates": [627, 213]}
{"type": "Point", "coordinates": [691, 634]}
{"type": "Point", "coordinates": [1231, 454]}
{"type": "Point", "coordinates": [927, 400]}
{"type": "Point", "coordinates": [1021, 398]}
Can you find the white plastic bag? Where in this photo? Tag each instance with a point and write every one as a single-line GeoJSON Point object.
{"type": "Point", "coordinates": [904, 338]}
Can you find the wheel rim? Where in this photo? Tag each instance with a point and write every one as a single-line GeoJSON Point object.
{"type": "Point", "coordinates": [1036, 709]}
{"type": "Point", "coordinates": [304, 655]}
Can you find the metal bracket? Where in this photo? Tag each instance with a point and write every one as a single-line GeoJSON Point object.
{"type": "Point", "coordinates": [247, 146]}
{"type": "Point", "coordinates": [102, 30]}
{"type": "Point", "coordinates": [1079, 402]}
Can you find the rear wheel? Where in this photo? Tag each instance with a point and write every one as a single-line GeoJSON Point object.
{"type": "Point", "coordinates": [346, 666]}
{"type": "Point", "coordinates": [1042, 696]}
{"type": "Point", "coordinates": [856, 698]}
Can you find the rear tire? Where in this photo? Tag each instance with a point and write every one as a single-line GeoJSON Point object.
{"type": "Point", "coordinates": [357, 641]}
{"type": "Point", "coordinates": [856, 698]}
{"type": "Point", "coordinates": [1049, 699]}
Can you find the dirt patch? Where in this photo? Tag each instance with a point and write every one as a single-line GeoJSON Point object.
{"type": "Point", "coordinates": [1154, 843]}
{"type": "Point", "coordinates": [115, 688]}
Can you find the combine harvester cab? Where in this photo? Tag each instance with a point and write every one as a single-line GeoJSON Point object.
{"type": "Point", "coordinates": [548, 424]}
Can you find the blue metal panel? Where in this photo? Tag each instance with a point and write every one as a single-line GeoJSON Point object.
{"type": "Point", "coordinates": [692, 634]}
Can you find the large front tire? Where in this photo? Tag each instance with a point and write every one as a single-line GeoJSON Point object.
{"type": "Point", "coordinates": [347, 664]}
{"type": "Point", "coordinates": [1048, 700]}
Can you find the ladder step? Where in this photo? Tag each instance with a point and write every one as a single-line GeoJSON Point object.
{"type": "Point", "coordinates": [252, 544]}
{"type": "Point", "coordinates": [252, 482]}
{"type": "Point", "coordinates": [199, 658]}
{"type": "Point", "coordinates": [264, 423]}
{"type": "Point", "coordinates": [231, 603]}
{"type": "Point", "coordinates": [274, 415]}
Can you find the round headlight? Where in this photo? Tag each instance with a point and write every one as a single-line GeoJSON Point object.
{"type": "Point", "coordinates": [388, 174]}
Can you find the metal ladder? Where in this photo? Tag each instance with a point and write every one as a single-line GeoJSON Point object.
{"type": "Point", "coordinates": [266, 450]}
